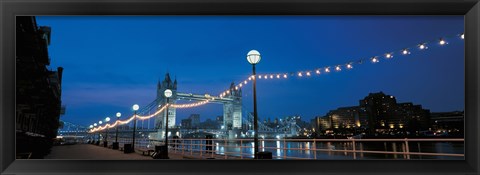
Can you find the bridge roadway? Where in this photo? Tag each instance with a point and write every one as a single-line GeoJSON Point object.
{"type": "Point", "coordinates": [94, 152]}
{"type": "Point", "coordinates": [212, 99]}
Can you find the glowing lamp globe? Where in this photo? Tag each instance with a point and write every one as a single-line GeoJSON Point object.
{"type": "Point", "coordinates": [422, 46]}
{"type": "Point", "coordinates": [442, 42]}
{"type": "Point", "coordinates": [135, 107]}
{"type": "Point", "coordinates": [119, 114]}
{"type": "Point", "coordinates": [107, 119]}
{"type": "Point", "coordinates": [99, 122]}
{"type": "Point", "coordinates": [253, 57]}
{"type": "Point", "coordinates": [168, 93]}
{"type": "Point", "coordinates": [95, 124]}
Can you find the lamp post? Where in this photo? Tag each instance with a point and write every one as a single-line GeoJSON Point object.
{"type": "Point", "coordinates": [91, 127]}
{"type": "Point", "coordinates": [135, 108]}
{"type": "Point", "coordinates": [253, 57]}
{"type": "Point", "coordinates": [115, 144]}
{"type": "Point", "coordinates": [116, 128]}
{"type": "Point", "coordinates": [168, 93]}
{"type": "Point", "coordinates": [95, 124]}
{"type": "Point", "coordinates": [105, 143]}
{"type": "Point", "coordinates": [99, 123]}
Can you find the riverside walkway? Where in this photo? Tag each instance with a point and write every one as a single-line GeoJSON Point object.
{"type": "Point", "coordinates": [88, 151]}
{"type": "Point", "coordinates": [94, 152]}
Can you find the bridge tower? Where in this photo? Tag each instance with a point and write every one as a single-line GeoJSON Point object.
{"type": "Point", "coordinates": [161, 87]}
{"type": "Point", "coordinates": [232, 112]}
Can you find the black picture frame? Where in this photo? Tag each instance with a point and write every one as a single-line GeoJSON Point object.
{"type": "Point", "coordinates": [10, 8]}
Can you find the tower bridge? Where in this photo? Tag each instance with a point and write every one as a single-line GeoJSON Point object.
{"type": "Point", "coordinates": [235, 117]}
{"type": "Point", "coordinates": [232, 106]}
{"type": "Point", "coordinates": [232, 111]}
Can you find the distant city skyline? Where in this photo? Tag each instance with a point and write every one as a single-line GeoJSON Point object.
{"type": "Point", "coordinates": [112, 63]}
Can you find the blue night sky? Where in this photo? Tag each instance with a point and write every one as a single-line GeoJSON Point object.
{"type": "Point", "coordinates": [112, 63]}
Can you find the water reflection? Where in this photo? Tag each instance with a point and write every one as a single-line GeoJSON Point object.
{"type": "Point", "coordinates": [279, 151]}
{"type": "Point", "coordinates": [394, 146]}
{"type": "Point", "coordinates": [307, 146]}
{"type": "Point", "coordinates": [263, 145]}
{"type": "Point", "coordinates": [252, 149]}
{"type": "Point", "coordinates": [329, 150]}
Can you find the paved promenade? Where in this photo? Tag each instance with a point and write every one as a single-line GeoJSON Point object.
{"type": "Point", "coordinates": [90, 152]}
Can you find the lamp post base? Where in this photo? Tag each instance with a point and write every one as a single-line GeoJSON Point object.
{"type": "Point", "coordinates": [264, 155]}
{"type": "Point", "coordinates": [127, 148]}
{"type": "Point", "coordinates": [161, 152]}
{"type": "Point", "coordinates": [115, 145]}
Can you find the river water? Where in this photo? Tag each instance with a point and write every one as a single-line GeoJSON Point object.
{"type": "Point", "coordinates": [335, 150]}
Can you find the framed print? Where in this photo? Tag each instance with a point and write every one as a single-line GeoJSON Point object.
{"type": "Point", "coordinates": [268, 87]}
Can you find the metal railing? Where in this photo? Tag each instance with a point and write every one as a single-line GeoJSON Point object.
{"type": "Point", "coordinates": [305, 148]}
{"type": "Point", "coordinates": [209, 148]}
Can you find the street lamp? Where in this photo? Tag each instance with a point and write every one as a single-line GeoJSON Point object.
{"type": "Point", "coordinates": [99, 123]}
{"type": "Point", "coordinates": [115, 144]}
{"type": "Point", "coordinates": [135, 108]}
{"type": "Point", "coordinates": [168, 93]}
{"type": "Point", "coordinates": [91, 127]}
{"type": "Point", "coordinates": [105, 143]}
{"type": "Point", "coordinates": [253, 58]}
{"type": "Point", "coordinates": [95, 124]}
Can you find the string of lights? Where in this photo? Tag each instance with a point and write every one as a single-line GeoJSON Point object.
{"type": "Point", "coordinates": [122, 122]}
{"type": "Point", "coordinates": [191, 105]}
{"type": "Point", "coordinates": [422, 46]}
{"type": "Point", "coordinates": [152, 115]}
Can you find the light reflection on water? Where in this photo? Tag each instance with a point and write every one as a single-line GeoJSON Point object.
{"type": "Point", "coordinates": [279, 151]}
{"type": "Point", "coordinates": [326, 150]}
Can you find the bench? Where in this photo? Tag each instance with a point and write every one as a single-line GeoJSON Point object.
{"type": "Point", "coordinates": [145, 150]}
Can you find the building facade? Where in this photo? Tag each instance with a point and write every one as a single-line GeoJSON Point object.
{"type": "Point", "coordinates": [376, 113]}
{"type": "Point", "coordinates": [219, 120]}
{"type": "Point", "coordinates": [38, 90]}
{"type": "Point", "coordinates": [195, 119]}
{"type": "Point", "coordinates": [232, 112]}
{"type": "Point", "coordinates": [167, 83]}
{"type": "Point", "coordinates": [186, 123]}
{"type": "Point", "coordinates": [451, 123]}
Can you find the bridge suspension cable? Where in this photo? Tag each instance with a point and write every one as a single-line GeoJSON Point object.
{"type": "Point", "coordinates": [421, 46]}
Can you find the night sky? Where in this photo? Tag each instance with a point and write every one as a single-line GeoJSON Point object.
{"type": "Point", "coordinates": [112, 63]}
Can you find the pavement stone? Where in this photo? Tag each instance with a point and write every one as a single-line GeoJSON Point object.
{"type": "Point", "coordinates": [94, 152]}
